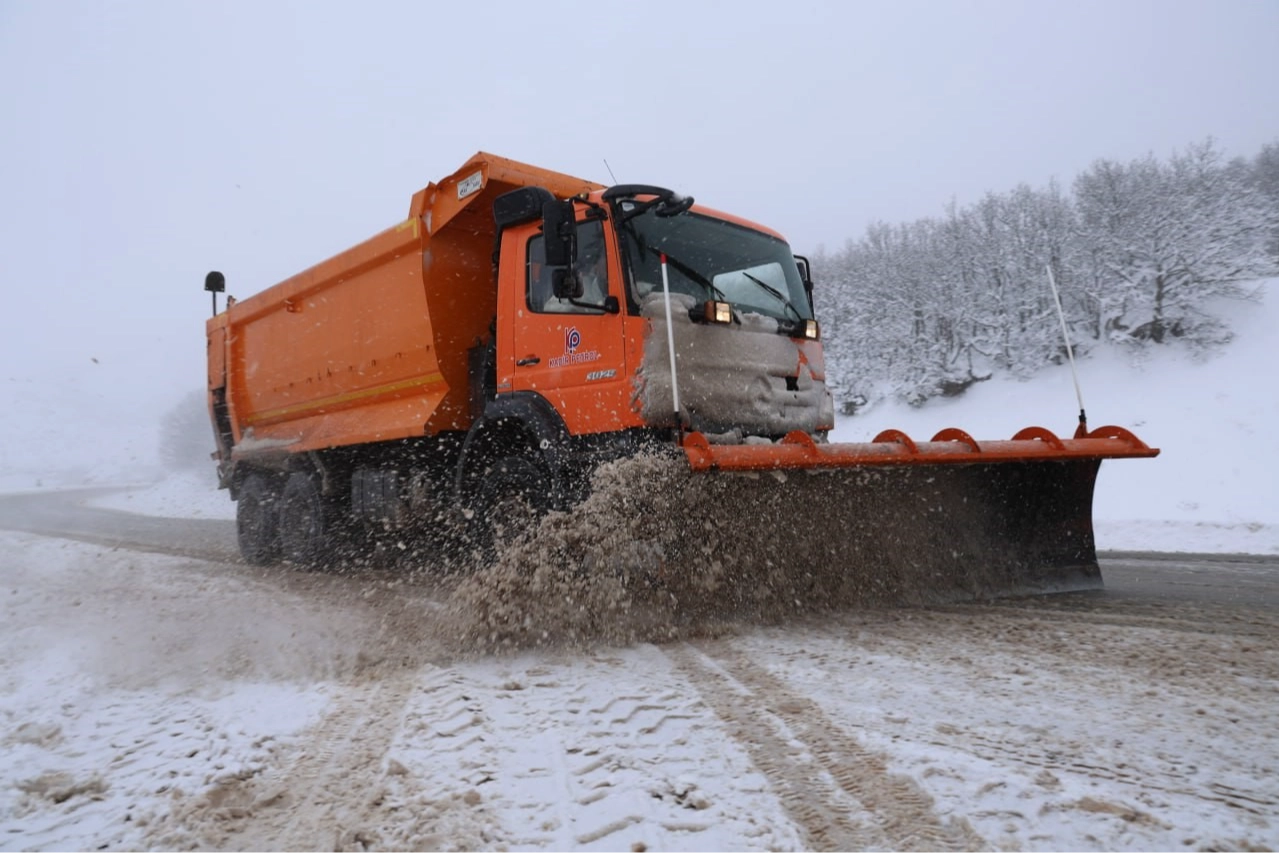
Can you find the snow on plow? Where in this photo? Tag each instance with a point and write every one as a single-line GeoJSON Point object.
{"type": "Point", "coordinates": [669, 543]}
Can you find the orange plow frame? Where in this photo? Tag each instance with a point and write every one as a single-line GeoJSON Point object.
{"type": "Point", "coordinates": [951, 446]}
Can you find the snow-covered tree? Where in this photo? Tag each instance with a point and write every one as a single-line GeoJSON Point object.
{"type": "Point", "coordinates": [1139, 253]}
{"type": "Point", "coordinates": [1265, 175]}
{"type": "Point", "coordinates": [1166, 238]}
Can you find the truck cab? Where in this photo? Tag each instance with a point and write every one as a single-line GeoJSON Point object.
{"type": "Point", "coordinates": [645, 292]}
{"type": "Point", "coordinates": [571, 348]}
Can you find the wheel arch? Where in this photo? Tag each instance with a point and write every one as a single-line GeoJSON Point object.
{"type": "Point", "coordinates": [521, 423]}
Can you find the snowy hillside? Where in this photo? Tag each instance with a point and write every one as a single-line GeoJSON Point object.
{"type": "Point", "coordinates": [1212, 489]}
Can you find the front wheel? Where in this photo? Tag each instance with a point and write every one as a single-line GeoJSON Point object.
{"type": "Point", "coordinates": [514, 495]}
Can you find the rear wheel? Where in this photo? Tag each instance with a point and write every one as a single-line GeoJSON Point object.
{"type": "Point", "coordinates": [257, 521]}
{"type": "Point", "coordinates": [304, 525]}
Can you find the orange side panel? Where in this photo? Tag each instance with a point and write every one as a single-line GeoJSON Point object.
{"type": "Point", "coordinates": [340, 354]}
{"type": "Point", "coordinates": [462, 295]}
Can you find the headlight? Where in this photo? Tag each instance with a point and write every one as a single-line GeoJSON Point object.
{"type": "Point", "coordinates": [811, 331]}
{"type": "Point", "coordinates": [717, 312]}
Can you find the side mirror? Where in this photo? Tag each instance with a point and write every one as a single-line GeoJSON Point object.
{"type": "Point", "coordinates": [559, 223]}
{"type": "Point", "coordinates": [805, 270]}
{"type": "Point", "coordinates": [806, 275]}
{"type": "Point", "coordinates": [519, 206]}
{"type": "Point", "coordinates": [566, 283]}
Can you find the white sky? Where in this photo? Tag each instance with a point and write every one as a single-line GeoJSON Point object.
{"type": "Point", "coordinates": [146, 143]}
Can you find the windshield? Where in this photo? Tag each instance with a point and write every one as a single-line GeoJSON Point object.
{"type": "Point", "coordinates": [709, 258]}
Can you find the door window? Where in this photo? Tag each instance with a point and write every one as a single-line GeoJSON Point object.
{"type": "Point", "coordinates": [591, 267]}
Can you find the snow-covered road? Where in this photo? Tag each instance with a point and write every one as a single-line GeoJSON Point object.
{"type": "Point", "coordinates": [160, 701]}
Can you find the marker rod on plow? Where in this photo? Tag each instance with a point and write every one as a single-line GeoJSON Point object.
{"type": "Point", "coordinates": [1070, 353]}
{"type": "Point", "coordinates": [670, 340]}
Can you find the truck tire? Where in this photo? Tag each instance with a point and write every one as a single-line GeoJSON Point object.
{"type": "Point", "coordinates": [257, 521]}
{"type": "Point", "coordinates": [304, 523]}
{"type": "Point", "coordinates": [514, 495]}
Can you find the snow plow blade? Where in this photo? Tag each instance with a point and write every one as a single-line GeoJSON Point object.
{"type": "Point", "coordinates": [945, 519]}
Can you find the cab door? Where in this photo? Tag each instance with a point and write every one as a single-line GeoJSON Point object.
{"type": "Point", "coordinates": [569, 351]}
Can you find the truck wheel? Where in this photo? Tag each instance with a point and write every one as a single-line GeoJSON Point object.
{"type": "Point", "coordinates": [257, 521]}
{"type": "Point", "coordinates": [514, 495]}
{"type": "Point", "coordinates": [303, 522]}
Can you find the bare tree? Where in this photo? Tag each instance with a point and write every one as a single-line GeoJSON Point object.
{"type": "Point", "coordinates": [186, 438]}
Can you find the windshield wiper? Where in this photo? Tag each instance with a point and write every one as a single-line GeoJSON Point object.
{"type": "Point", "coordinates": [694, 275]}
{"type": "Point", "coordinates": [776, 294]}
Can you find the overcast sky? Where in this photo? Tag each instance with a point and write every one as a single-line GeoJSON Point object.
{"type": "Point", "coordinates": [145, 143]}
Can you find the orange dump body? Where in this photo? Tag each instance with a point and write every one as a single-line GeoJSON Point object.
{"type": "Point", "coordinates": [372, 344]}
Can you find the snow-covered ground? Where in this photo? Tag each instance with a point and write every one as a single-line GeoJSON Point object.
{"type": "Point", "coordinates": [69, 427]}
{"type": "Point", "coordinates": [181, 494]}
{"type": "Point", "coordinates": [154, 702]}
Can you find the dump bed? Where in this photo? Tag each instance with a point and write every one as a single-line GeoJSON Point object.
{"type": "Point", "coordinates": [371, 344]}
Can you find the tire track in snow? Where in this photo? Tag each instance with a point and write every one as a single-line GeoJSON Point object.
{"type": "Point", "coordinates": [622, 754]}
{"type": "Point", "coordinates": [580, 759]}
{"type": "Point", "coordinates": [442, 766]}
{"type": "Point", "coordinates": [816, 769]}
{"type": "Point", "coordinates": [1199, 669]}
{"type": "Point", "coordinates": [1145, 780]}
{"type": "Point", "coordinates": [323, 795]}
{"type": "Point", "coordinates": [1181, 617]}
{"type": "Point", "coordinates": [645, 717]}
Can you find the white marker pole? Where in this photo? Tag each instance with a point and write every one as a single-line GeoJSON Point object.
{"type": "Point", "coordinates": [670, 340]}
{"type": "Point", "coordinates": [1070, 352]}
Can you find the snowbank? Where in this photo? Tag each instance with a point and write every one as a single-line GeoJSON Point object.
{"type": "Point", "coordinates": [185, 494]}
{"type": "Point", "coordinates": [1212, 489]}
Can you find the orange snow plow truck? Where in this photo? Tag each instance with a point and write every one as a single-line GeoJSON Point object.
{"type": "Point", "coordinates": [470, 367]}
